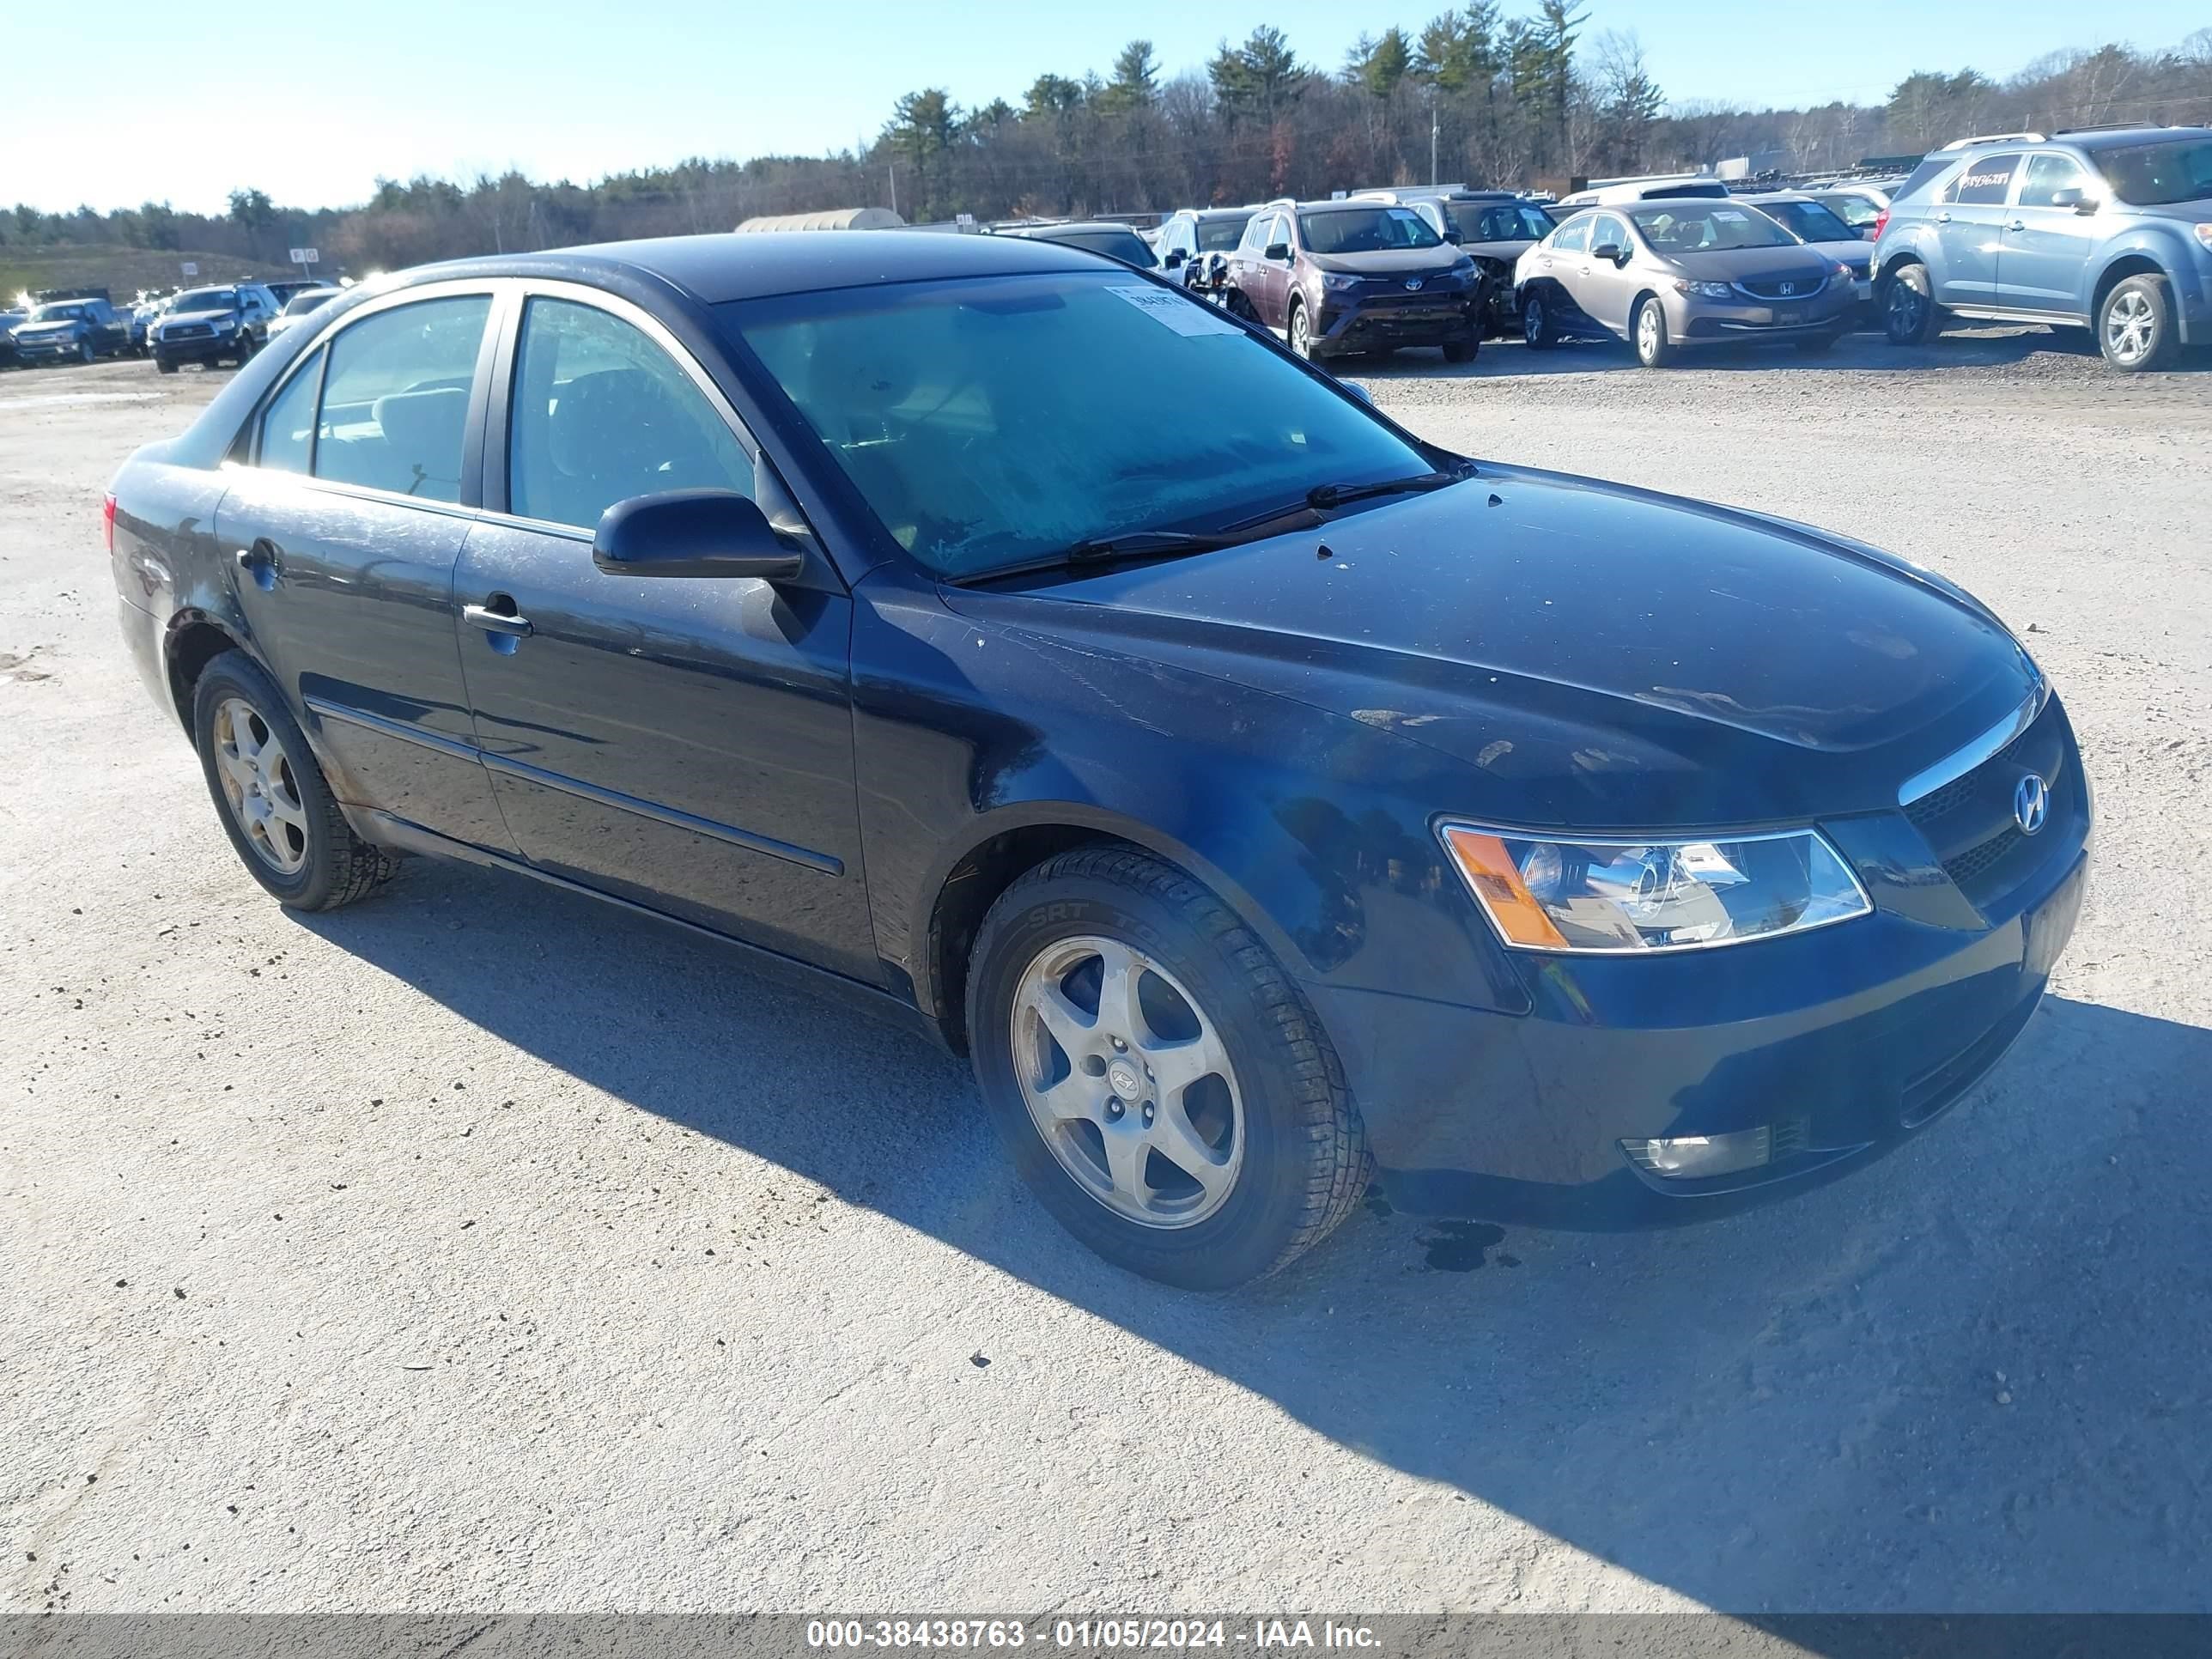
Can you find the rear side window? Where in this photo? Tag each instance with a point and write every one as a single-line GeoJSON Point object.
{"type": "Point", "coordinates": [602, 413]}
{"type": "Point", "coordinates": [288, 428]}
{"type": "Point", "coordinates": [1983, 182]}
{"type": "Point", "coordinates": [396, 397]}
{"type": "Point", "coordinates": [1922, 177]}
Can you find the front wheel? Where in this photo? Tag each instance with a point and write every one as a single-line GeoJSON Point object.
{"type": "Point", "coordinates": [85, 353]}
{"type": "Point", "coordinates": [1908, 306]}
{"type": "Point", "coordinates": [1463, 350]}
{"type": "Point", "coordinates": [2135, 325]}
{"type": "Point", "coordinates": [1300, 331]}
{"type": "Point", "coordinates": [270, 795]}
{"type": "Point", "coordinates": [1653, 349]}
{"type": "Point", "coordinates": [164, 365]}
{"type": "Point", "coordinates": [1537, 328]}
{"type": "Point", "coordinates": [1160, 1082]}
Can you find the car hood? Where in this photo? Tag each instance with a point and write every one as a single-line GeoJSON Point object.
{"type": "Point", "coordinates": [32, 331]}
{"type": "Point", "coordinates": [1734, 265]}
{"type": "Point", "coordinates": [1855, 252]}
{"type": "Point", "coordinates": [1391, 261]}
{"type": "Point", "coordinates": [216, 316]}
{"type": "Point", "coordinates": [1584, 653]}
{"type": "Point", "coordinates": [2187, 212]}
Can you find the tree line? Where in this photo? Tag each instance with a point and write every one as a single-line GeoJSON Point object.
{"type": "Point", "coordinates": [1473, 94]}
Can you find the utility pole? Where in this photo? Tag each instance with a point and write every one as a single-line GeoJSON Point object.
{"type": "Point", "coordinates": [1433, 134]}
{"type": "Point", "coordinates": [892, 170]}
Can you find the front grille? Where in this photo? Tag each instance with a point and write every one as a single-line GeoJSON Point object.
{"type": "Point", "coordinates": [1969, 824]}
{"type": "Point", "coordinates": [1770, 288]}
{"type": "Point", "coordinates": [196, 332]}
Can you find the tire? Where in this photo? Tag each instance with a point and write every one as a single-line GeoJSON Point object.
{"type": "Point", "coordinates": [1908, 305]}
{"type": "Point", "coordinates": [333, 867]}
{"type": "Point", "coordinates": [85, 354]}
{"type": "Point", "coordinates": [165, 365]}
{"type": "Point", "coordinates": [2135, 324]}
{"type": "Point", "coordinates": [1280, 1135]}
{"type": "Point", "coordinates": [1464, 351]}
{"type": "Point", "coordinates": [1538, 331]}
{"type": "Point", "coordinates": [1647, 327]}
{"type": "Point", "coordinates": [1300, 330]}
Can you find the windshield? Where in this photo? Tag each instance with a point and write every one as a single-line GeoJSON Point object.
{"type": "Point", "coordinates": [1365, 230]}
{"type": "Point", "coordinates": [1681, 227]}
{"type": "Point", "coordinates": [995, 421]}
{"type": "Point", "coordinates": [309, 300]}
{"type": "Point", "coordinates": [58, 314]}
{"type": "Point", "coordinates": [206, 299]}
{"type": "Point", "coordinates": [1855, 210]}
{"type": "Point", "coordinates": [1810, 221]}
{"type": "Point", "coordinates": [1220, 235]}
{"type": "Point", "coordinates": [1123, 245]}
{"type": "Point", "coordinates": [1499, 221]}
{"type": "Point", "coordinates": [2159, 174]}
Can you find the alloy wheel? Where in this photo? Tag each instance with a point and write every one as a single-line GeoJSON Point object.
{"type": "Point", "coordinates": [1128, 1081]}
{"type": "Point", "coordinates": [1647, 331]}
{"type": "Point", "coordinates": [1301, 332]}
{"type": "Point", "coordinates": [1905, 307]}
{"type": "Point", "coordinates": [2130, 327]}
{"type": "Point", "coordinates": [258, 782]}
{"type": "Point", "coordinates": [1532, 319]}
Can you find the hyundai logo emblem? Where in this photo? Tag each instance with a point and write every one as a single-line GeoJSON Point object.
{"type": "Point", "coordinates": [1789, 289]}
{"type": "Point", "coordinates": [1412, 285]}
{"type": "Point", "coordinates": [2031, 803]}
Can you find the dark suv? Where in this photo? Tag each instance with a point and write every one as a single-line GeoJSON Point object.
{"type": "Point", "coordinates": [2108, 229]}
{"type": "Point", "coordinates": [1339, 278]}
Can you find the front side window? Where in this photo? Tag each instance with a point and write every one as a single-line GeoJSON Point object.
{"type": "Point", "coordinates": [602, 413]}
{"type": "Point", "coordinates": [1693, 226]}
{"type": "Point", "coordinates": [206, 299]}
{"type": "Point", "coordinates": [1809, 220]}
{"type": "Point", "coordinates": [2159, 175]}
{"type": "Point", "coordinates": [1365, 230]}
{"type": "Point", "coordinates": [396, 397]}
{"type": "Point", "coordinates": [1608, 229]}
{"type": "Point", "coordinates": [288, 426]}
{"type": "Point", "coordinates": [1983, 182]}
{"type": "Point", "coordinates": [2046, 176]}
{"type": "Point", "coordinates": [993, 422]}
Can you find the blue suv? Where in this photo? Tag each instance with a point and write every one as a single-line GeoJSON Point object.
{"type": "Point", "coordinates": [2108, 229]}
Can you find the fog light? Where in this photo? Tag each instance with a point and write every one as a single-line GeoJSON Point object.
{"type": "Point", "coordinates": [1690, 1158]}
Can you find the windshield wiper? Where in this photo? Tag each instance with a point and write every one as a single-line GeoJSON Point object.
{"type": "Point", "coordinates": [1323, 496]}
{"type": "Point", "coordinates": [1128, 546]}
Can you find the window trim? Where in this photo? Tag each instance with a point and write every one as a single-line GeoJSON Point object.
{"type": "Point", "coordinates": [319, 359]}
{"type": "Point", "coordinates": [2017, 157]}
{"type": "Point", "coordinates": [499, 417]}
{"type": "Point", "coordinates": [2081, 174]}
{"type": "Point", "coordinates": [469, 500]}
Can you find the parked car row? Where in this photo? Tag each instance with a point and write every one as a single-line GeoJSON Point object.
{"type": "Point", "coordinates": [224, 322]}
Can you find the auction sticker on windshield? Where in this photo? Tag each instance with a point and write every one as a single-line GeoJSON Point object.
{"type": "Point", "coordinates": [1178, 313]}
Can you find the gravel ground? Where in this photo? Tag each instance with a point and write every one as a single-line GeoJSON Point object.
{"type": "Point", "coordinates": [481, 1248]}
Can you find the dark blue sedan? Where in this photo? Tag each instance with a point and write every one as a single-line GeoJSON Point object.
{"type": "Point", "coordinates": [1263, 803]}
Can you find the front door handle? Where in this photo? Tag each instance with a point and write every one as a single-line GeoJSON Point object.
{"type": "Point", "coordinates": [1942, 218]}
{"type": "Point", "coordinates": [2017, 224]}
{"type": "Point", "coordinates": [261, 563]}
{"type": "Point", "coordinates": [496, 616]}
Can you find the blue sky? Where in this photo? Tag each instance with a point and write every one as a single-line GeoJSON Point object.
{"type": "Point", "coordinates": [340, 93]}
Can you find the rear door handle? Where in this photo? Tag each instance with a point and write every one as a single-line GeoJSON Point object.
{"type": "Point", "coordinates": [497, 621]}
{"type": "Point", "coordinates": [1942, 218]}
{"type": "Point", "coordinates": [261, 563]}
{"type": "Point", "coordinates": [2017, 224]}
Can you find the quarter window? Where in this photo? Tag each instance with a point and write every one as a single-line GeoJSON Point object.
{"type": "Point", "coordinates": [396, 397]}
{"type": "Point", "coordinates": [2046, 176]}
{"type": "Point", "coordinates": [1573, 237]}
{"type": "Point", "coordinates": [602, 413]}
{"type": "Point", "coordinates": [288, 428]}
{"type": "Point", "coordinates": [1983, 181]}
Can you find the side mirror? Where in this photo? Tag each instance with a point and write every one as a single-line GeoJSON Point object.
{"type": "Point", "coordinates": [1453, 237]}
{"type": "Point", "coordinates": [2075, 198]}
{"type": "Point", "coordinates": [1611, 252]}
{"type": "Point", "coordinates": [1175, 257]}
{"type": "Point", "coordinates": [1277, 250]}
{"type": "Point", "coordinates": [692, 532]}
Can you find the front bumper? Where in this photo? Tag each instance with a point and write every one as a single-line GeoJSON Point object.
{"type": "Point", "coordinates": [202, 350]}
{"type": "Point", "coordinates": [1844, 1042]}
{"type": "Point", "coordinates": [64, 350]}
{"type": "Point", "coordinates": [1364, 324]}
{"type": "Point", "coordinates": [1693, 321]}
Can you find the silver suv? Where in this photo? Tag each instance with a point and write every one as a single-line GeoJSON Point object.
{"type": "Point", "coordinates": [1681, 271]}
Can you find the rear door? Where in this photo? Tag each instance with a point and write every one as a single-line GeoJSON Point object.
{"type": "Point", "coordinates": [1266, 282]}
{"type": "Point", "coordinates": [2046, 245]}
{"type": "Point", "coordinates": [1563, 259]}
{"type": "Point", "coordinates": [344, 529]}
{"type": "Point", "coordinates": [1970, 215]}
{"type": "Point", "coordinates": [682, 743]}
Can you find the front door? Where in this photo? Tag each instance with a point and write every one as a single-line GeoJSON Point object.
{"type": "Point", "coordinates": [684, 743]}
{"type": "Point", "coordinates": [2047, 242]}
{"type": "Point", "coordinates": [343, 534]}
{"type": "Point", "coordinates": [1603, 286]}
{"type": "Point", "coordinates": [1970, 219]}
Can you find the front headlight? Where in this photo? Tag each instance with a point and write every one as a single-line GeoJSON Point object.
{"type": "Point", "coordinates": [2204, 234]}
{"type": "Point", "coordinates": [1335, 283]}
{"type": "Point", "coordinates": [1706, 290]}
{"type": "Point", "coordinates": [1626, 898]}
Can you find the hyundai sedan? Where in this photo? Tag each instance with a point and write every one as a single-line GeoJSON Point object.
{"type": "Point", "coordinates": [1262, 805]}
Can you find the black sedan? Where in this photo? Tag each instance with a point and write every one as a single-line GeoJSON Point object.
{"type": "Point", "coordinates": [1259, 804]}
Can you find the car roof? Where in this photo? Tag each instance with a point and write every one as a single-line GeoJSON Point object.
{"type": "Point", "coordinates": [1048, 226]}
{"type": "Point", "coordinates": [2107, 137]}
{"type": "Point", "coordinates": [726, 266]}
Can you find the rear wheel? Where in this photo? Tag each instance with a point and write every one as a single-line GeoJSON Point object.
{"type": "Point", "coordinates": [271, 796]}
{"type": "Point", "coordinates": [1649, 330]}
{"type": "Point", "coordinates": [2135, 325]}
{"type": "Point", "coordinates": [164, 365]}
{"type": "Point", "coordinates": [1463, 350]}
{"type": "Point", "coordinates": [1908, 306]}
{"type": "Point", "coordinates": [1537, 327]}
{"type": "Point", "coordinates": [1157, 1079]}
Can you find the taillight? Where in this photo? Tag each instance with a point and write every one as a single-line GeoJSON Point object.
{"type": "Point", "coordinates": [107, 520]}
{"type": "Point", "coordinates": [1881, 220]}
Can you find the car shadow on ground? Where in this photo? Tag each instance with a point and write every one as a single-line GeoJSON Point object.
{"type": "Point", "coordinates": [1857, 353]}
{"type": "Point", "coordinates": [1971, 1376]}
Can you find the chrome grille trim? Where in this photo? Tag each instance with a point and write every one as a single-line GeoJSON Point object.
{"type": "Point", "coordinates": [1965, 758]}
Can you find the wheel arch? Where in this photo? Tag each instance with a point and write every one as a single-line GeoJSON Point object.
{"type": "Point", "coordinates": [2134, 262]}
{"type": "Point", "coordinates": [194, 640]}
{"type": "Point", "coordinates": [1005, 846]}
